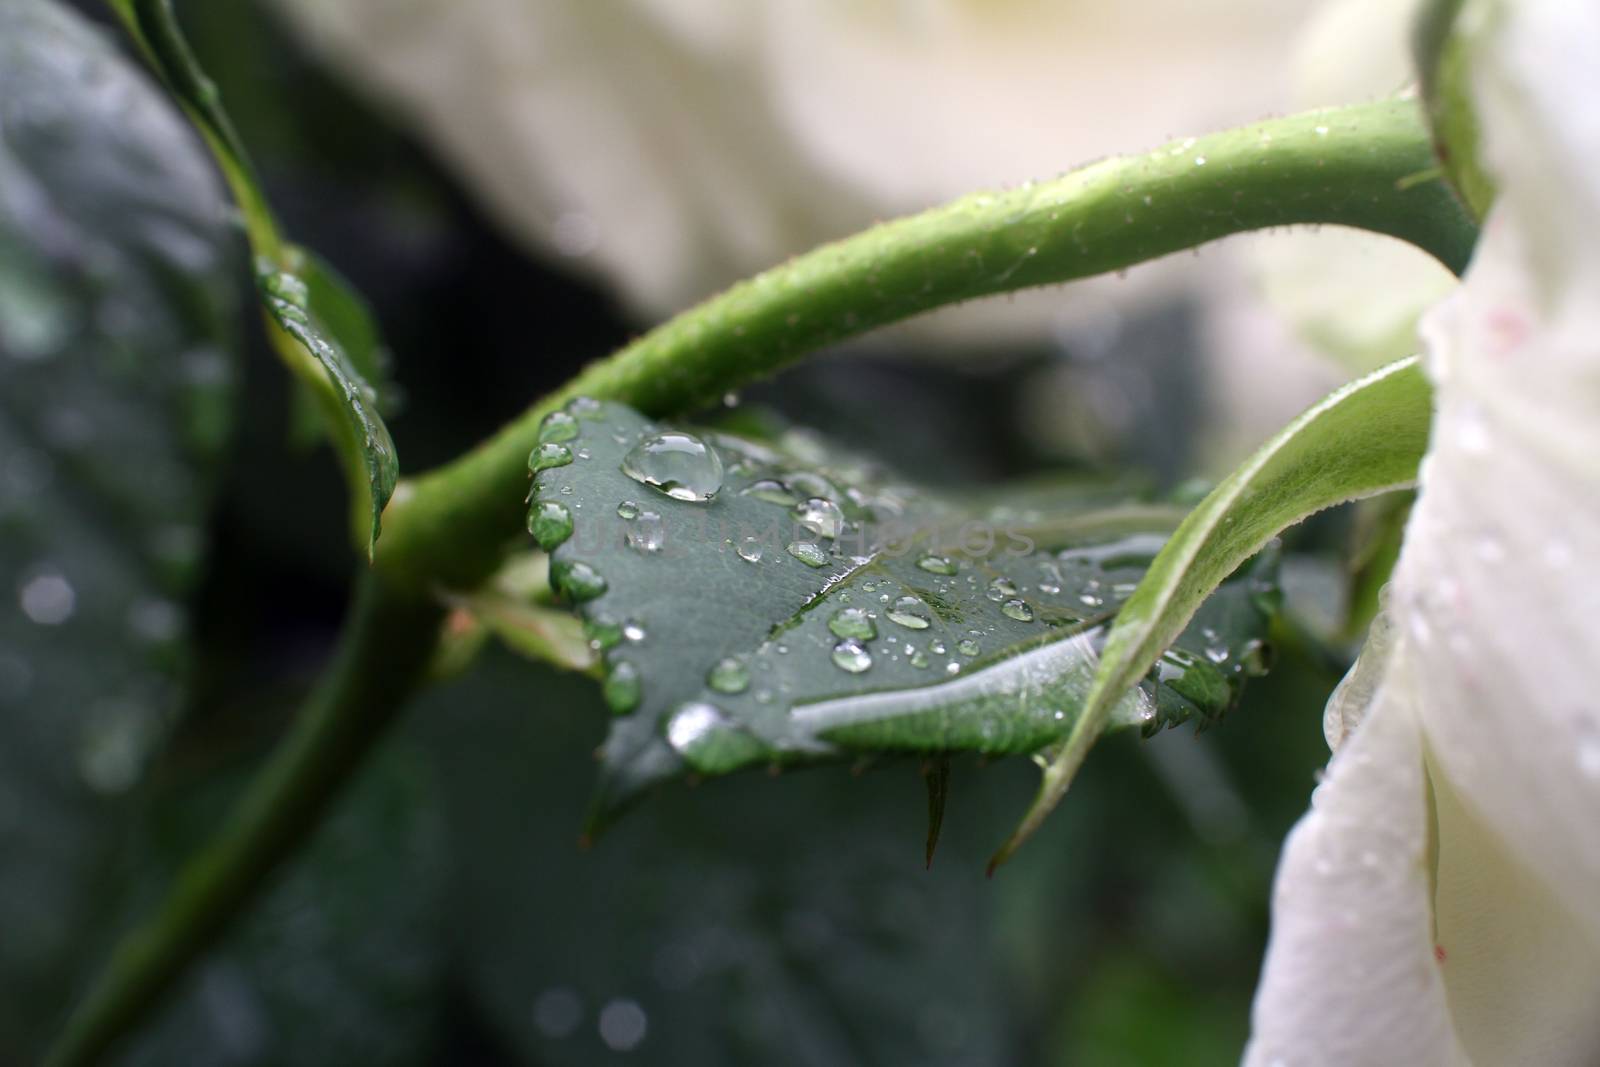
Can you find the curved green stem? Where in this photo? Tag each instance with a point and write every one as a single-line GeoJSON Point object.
{"type": "Point", "coordinates": [1355, 166]}
{"type": "Point", "coordinates": [387, 643]}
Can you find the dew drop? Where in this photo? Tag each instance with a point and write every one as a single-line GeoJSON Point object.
{"type": "Point", "coordinates": [556, 427]}
{"type": "Point", "coordinates": [676, 463]}
{"type": "Point", "coordinates": [821, 516]}
{"type": "Point", "coordinates": [938, 564]}
{"type": "Point", "coordinates": [603, 632]}
{"type": "Point", "coordinates": [691, 723]}
{"type": "Point", "coordinates": [622, 689]}
{"type": "Point", "coordinates": [729, 675]}
{"type": "Point", "coordinates": [577, 580]}
{"type": "Point", "coordinates": [550, 523]}
{"type": "Point", "coordinates": [549, 455]}
{"type": "Point", "coordinates": [627, 510]}
{"type": "Point", "coordinates": [809, 553]}
{"type": "Point", "coordinates": [646, 533]}
{"type": "Point", "coordinates": [586, 407]}
{"type": "Point", "coordinates": [1020, 610]}
{"type": "Point", "coordinates": [1000, 589]}
{"type": "Point", "coordinates": [919, 659]}
{"type": "Point", "coordinates": [967, 647]}
{"type": "Point", "coordinates": [633, 631]}
{"type": "Point", "coordinates": [750, 550]}
{"type": "Point", "coordinates": [910, 612]}
{"type": "Point", "coordinates": [853, 622]}
{"type": "Point", "coordinates": [852, 656]}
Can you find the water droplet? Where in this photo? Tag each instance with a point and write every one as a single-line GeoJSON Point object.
{"type": "Point", "coordinates": [691, 723]}
{"type": "Point", "coordinates": [809, 553]}
{"type": "Point", "coordinates": [585, 407]}
{"type": "Point", "coordinates": [550, 523]}
{"type": "Point", "coordinates": [676, 463]}
{"type": "Point", "coordinates": [287, 287]}
{"type": "Point", "coordinates": [48, 598]}
{"type": "Point", "coordinates": [627, 510]}
{"type": "Point", "coordinates": [633, 631]}
{"type": "Point", "coordinates": [821, 516]}
{"type": "Point", "coordinates": [603, 632]}
{"type": "Point", "coordinates": [853, 622]}
{"type": "Point", "coordinates": [852, 656]}
{"type": "Point", "coordinates": [577, 580]}
{"type": "Point", "coordinates": [1020, 610]}
{"type": "Point", "coordinates": [937, 648]}
{"type": "Point", "coordinates": [938, 564]}
{"type": "Point", "coordinates": [557, 426]}
{"type": "Point", "coordinates": [967, 647]}
{"type": "Point", "coordinates": [1001, 588]}
{"type": "Point", "coordinates": [919, 659]}
{"type": "Point", "coordinates": [547, 456]}
{"type": "Point", "coordinates": [911, 613]}
{"type": "Point", "coordinates": [771, 490]}
{"type": "Point", "coordinates": [750, 550]}
{"type": "Point", "coordinates": [646, 533]}
{"type": "Point", "coordinates": [621, 688]}
{"type": "Point", "coordinates": [729, 675]}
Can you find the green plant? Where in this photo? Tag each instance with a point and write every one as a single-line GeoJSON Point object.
{"type": "Point", "coordinates": [829, 611]}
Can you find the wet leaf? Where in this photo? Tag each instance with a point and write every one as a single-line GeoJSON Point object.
{"type": "Point", "coordinates": [1363, 439]}
{"type": "Point", "coordinates": [312, 306]}
{"type": "Point", "coordinates": [322, 328]}
{"type": "Point", "coordinates": [764, 604]}
{"type": "Point", "coordinates": [116, 370]}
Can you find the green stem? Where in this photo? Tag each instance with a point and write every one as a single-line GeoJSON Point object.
{"type": "Point", "coordinates": [387, 643]}
{"type": "Point", "coordinates": [1354, 166]}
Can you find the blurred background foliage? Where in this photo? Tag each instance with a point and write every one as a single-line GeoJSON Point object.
{"type": "Point", "coordinates": [443, 914]}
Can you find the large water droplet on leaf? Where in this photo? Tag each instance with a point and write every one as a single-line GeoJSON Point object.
{"type": "Point", "coordinates": [622, 688]}
{"type": "Point", "coordinates": [910, 612]}
{"type": "Point", "coordinates": [557, 426]}
{"type": "Point", "coordinates": [852, 622]}
{"type": "Point", "coordinates": [676, 463]}
{"type": "Point", "coordinates": [821, 516]}
{"type": "Point", "coordinates": [729, 675]}
{"type": "Point", "coordinates": [852, 656]}
{"type": "Point", "coordinates": [1017, 609]}
{"type": "Point", "coordinates": [646, 533]}
{"type": "Point", "coordinates": [577, 580]}
{"type": "Point", "coordinates": [549, 455]}
{"type": "Point", "coordinates": [550, 523]}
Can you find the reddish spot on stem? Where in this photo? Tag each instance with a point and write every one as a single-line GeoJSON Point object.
{"type": "Point", "coordinates": [1440, 954]}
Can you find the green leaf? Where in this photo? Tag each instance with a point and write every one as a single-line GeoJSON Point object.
{"type": "Point", "coordinates": [341, 961]}
{"type": "Point", "coordinates": [117, 359]}
{"type": "Point", "coordinates": [811, 609]}
{"type": "Point", "coordinates": [309, 306]}
{"type": "Point", "coordinates": [1365, 438]}
{"type": "Point", "coordinates": [323, 331]}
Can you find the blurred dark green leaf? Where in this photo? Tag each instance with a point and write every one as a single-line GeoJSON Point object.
{"type": "Point", "coordinates": [340, 962]}
{"type": "Point", "coordinates": [117, 355]}
{"type": "Point", "coordinates": [811, 610]}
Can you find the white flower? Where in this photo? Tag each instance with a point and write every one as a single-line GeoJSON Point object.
{"type": "Point", "coordinates": [1440, 903]}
